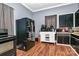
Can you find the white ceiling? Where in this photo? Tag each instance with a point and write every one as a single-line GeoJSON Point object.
{"type": "Point", "coordinates": [34, 7]}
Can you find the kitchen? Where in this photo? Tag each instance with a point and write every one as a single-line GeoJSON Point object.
{"type": "Point", "coordinates": [21, 29]}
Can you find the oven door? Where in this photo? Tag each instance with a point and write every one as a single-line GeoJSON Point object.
{"type": "Point", "coordinates": [6, 47]}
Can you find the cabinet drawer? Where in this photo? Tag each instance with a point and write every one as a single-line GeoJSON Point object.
{"type": "Point", "coordinates": [74, 41]}
{"type": "Point", "coordinates": [63, 39]}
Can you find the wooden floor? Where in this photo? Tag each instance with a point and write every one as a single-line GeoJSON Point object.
{"type": "Point", "coordinates": [45, 49]}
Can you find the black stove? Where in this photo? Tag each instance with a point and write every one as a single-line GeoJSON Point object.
{"type": "Point", "coordinates": [7, 41]}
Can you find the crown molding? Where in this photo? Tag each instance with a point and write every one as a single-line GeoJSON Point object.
{"type": "Point", "coordinates": [49, 7]}
{"type": "Point", "coordinates": [44, 8]}
{"type": "Point", "coordinates": [27, 6]}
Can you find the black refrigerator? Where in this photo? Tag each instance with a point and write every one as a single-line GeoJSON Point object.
{"type": "Point", "coordinates": [25, 33]}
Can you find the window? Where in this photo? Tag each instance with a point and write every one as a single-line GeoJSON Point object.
{"type": "Point", "coordinates": [66, 20]}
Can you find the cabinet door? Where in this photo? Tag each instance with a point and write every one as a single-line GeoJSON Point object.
{"type": "Point", "coordinates": [63, 39]}
{"type": "Point", "coordinates": [66, 40]}
{"type": "Point", "coordinates": [59, 39]}
{"type": "Point", "coordinates": [73, 42]}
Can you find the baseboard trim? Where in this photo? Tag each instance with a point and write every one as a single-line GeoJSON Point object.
{"type": "Point", "coordinates": [74, 50]}
{"type": "Point", "coordinates": [63, 44]}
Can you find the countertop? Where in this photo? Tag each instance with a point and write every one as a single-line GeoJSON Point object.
{"type": "Point", "coordinates": [76, 33]}
{"type": "Point", "coordinates": [8, 38]}
{"type": "Point", "coordinates": [67, 33]}
{"type": "Point", "coordinates": [63, 33]}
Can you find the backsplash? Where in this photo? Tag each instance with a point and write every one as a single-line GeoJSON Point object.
{"type": "Point", "coordinates": [3, 30]}
{"type": "Point", "coordinates": [75, 29]}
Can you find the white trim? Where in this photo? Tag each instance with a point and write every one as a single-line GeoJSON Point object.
{"type": "Point", "coordinates": [74, 50]}
{"type": "Point", "coordinates": [63, 44]}
{"type": "Point", "coordinates": [50, 7]}
{"type": "Point", "coordinates": [44, 8]}
{"type": "Point", "coordinates": [26, 6]}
